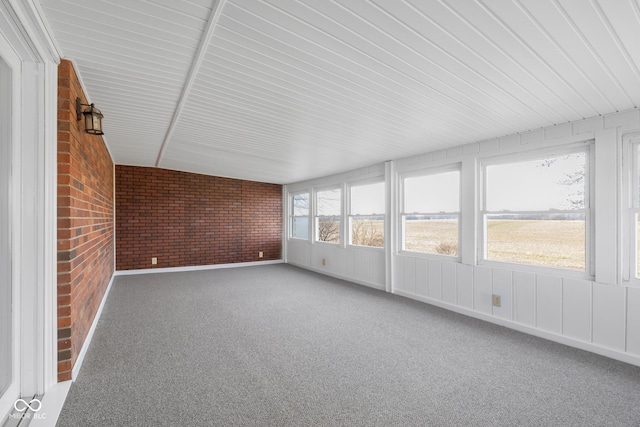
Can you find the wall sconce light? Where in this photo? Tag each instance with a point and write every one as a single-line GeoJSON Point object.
{"type": "Point", "coordinates": [92, 118]}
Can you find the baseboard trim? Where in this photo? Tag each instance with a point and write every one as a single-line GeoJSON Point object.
{"type": "Point", "coordinates": [561, 339]}
{"type": "Point", "coordinates": [52, 403]}
{"type": "Point", "coordinates": [339, 276]}
{"type": "Point", "coordinates": [87, 341]}
{"type": "Point", "coordinates": [196, 267]}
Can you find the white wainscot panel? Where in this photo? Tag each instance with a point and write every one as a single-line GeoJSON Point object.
{"type": "Point", "coordinates": [398, 272]}
{"type": "Point", "coordinates": [464, 280]}
{"type": "Point", "coordinates": [365, 265]}
{"type": "Point", "coordinates": [609, 315]}
{"type": "Point", "coordinates": [449, 288]}
{"type": "Point", "coordinates": [576, 309]}
{"type": "Point", "coordinates": [409, 274]}
{"type": "Point", "coordinates": [299, 253]}
{"type": "Point", "coordinates": [549, 303]}
{"type": "Point", "coordinates": [524, 298]}
{"type": "Point", "coordinates": [329, 258]}
{"type": "Point", "coordinates": [422, 281]}
{"type": "Point", "coordinates": [435, 279]}
{"type": "Point", "coordinates": [376, 268]}
{"type": "Point", "coordinates": [633, 321]}
{"type": "Point", "coordinates": [503, 286]}
{"type": "Point", "coordinates": [482, 290]}
{"type": "Point", "coordinates": [354, 263]}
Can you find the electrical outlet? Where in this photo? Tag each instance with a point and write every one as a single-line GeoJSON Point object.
{"type": "Point", "coordinates": [154, 260]}
{"type": "Point", "coordinates": [260, 254]}
{"type": "Point", "coordinates": [497, 300]}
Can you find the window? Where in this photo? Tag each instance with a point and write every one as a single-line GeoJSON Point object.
{"type": "Point", "coordinates": [328, 207]}
{"type": "Point", "coordinates": [366, 219]}
{"type": "Point", "coordinates": [300, 216]}
{"type": "Point", "coordinates": [536, 211]}
{"type": "Point", "coordinates": [431, 213]}
{"type": "Point", "coordinates": [634, 212]}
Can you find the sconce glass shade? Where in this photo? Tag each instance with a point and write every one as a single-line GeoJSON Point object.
{"type": "Point", "coordinates": [92, 118]}
{"type": "Point", "coordinates": [93, 121]}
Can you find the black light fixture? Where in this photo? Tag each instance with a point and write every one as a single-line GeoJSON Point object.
{"type": "Point", "coordinates": [92, 118]}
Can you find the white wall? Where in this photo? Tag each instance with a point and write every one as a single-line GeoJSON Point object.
{"type": "Point", "coordinates": [361, 265]}
{"type": "Point", "coordinates": [599, 313]}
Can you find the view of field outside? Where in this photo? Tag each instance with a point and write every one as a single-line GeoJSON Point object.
{"type": "Point", "coordinates": [535, 213]}
{"type": "Point", "coordinates": [367, 209]}
{"type": "Point", "coordinates": [367, 231]}
{"type": "Point", "coordinates": [551, 243]}
{"type": "Point", "coordinates": [435, 236]}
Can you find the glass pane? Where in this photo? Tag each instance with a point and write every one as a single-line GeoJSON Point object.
{"type": "Point", "coordinates": [432, 193]}
{"type": "Point", "coordinates": [328, 202]}
{"type": "Point", "coordinates": [367, 231]}
{"type": "Point", "coordinates": [550, 240]}
{"type": "Point", "coordinates": [367, 199]}
{"type": "Point", "coordinates": [637, 172]}
{"type": "Point", "coordinates": [300, 227]}
{"type": "Point", "coordinates": [300, 204]}
{"type": "Point", "coordinates": [431, 234]}
{"type": "Point", "coordinates": [537, 185]}
{"type": "Point", "coordinates": [328, 229]}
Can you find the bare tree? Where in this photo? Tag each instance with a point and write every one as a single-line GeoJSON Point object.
{"type": "Point", "coordinates": [574, 179]}
{"type": "Point", "coordinates": [328, 229]}
{"type": "Point", "coordinates": [447, 248]}
{"type": "Point", "coordinates": [366, 233]}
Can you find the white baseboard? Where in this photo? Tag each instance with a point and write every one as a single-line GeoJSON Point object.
{"type": "Point", "coordinates": [571, 342]}
{"type": "Point", "coordinates": [87, 341]}
{"type": "Point", "coordinates": [341, 277]}
{"type": "Point", "coordinates": [195, 267]}
{"type": "Point", "coordinates": [52, 403]}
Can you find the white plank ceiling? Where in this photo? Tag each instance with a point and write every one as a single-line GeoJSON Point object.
{"type": "Point", "coordinates": [285, 90]}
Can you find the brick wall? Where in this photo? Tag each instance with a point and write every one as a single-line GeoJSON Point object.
{"type": "Point", "coordinates": [186, 219]}
{"type": "Point", "coordinates": [85, 223]}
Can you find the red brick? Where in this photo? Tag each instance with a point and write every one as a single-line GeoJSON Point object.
{"type": "Point", "coordinates": [85, 223]}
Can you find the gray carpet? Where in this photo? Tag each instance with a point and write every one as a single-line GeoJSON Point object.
{"type": "Point", "coordinates": [279, 346]}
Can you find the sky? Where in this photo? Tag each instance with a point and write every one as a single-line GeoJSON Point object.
{"type": "Point", "coordinates": [530, 185]}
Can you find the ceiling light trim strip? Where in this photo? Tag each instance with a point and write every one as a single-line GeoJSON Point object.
{"type": "Point", "coordinates": [216, 11]}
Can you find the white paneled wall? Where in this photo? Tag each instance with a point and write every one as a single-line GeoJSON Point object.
{"type": "Point", "coordinates": [596, 312]}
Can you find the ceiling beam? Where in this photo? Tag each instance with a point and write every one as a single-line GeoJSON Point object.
{"type": "Point", "coordinates": [193, 72]}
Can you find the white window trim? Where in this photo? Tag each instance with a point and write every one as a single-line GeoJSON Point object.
{"type": "Point", "coordinates": [586, 146]}
{"type": "Point", "coordinates": [630, 206]}
{"type": "Point", "coordinates": [452, 167]}
{"type": "Point", "coordinates": [348, 216]}
{"type": "Point", "coordinates": [290, 216]}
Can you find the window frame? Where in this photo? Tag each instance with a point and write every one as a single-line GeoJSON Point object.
{"type": "Point", "coordinates": [292, 216]}
{"type": "Point", "coordinates": [340, 188]}
{"type": "Point", "coordinates": [349, 216]}
{"type": "Point", "coordinates": [452, 167]}
{"type": "Point", "coordinates": [589, 211]}
{"type": "Point", "coordinates": [630, 208]}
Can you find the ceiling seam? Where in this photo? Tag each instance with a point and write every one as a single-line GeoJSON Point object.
{"type": "Point", "coordinates": [216, 11]}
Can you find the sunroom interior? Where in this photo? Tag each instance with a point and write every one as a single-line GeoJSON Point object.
{"type": "Point", "coordinates": [478, 156]}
